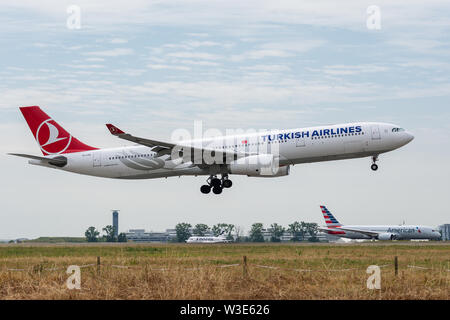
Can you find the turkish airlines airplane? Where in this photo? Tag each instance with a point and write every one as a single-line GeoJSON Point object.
{"type": "Point", "coordinates": [376, 232]}
{"type": "Point", "coordinates": [263, 154]}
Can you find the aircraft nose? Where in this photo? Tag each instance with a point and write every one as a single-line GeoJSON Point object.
{"type": "Point", "coordinates": [409, 137]}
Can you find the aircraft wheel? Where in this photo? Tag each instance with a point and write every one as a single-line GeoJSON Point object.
{"type": "Point", "coordinates": [227, 183]}
{"type": "Point", "coordinates": [374, 167]}
{"type": "Point", "coordinates": [217, 190]}
{"type": "Point", "coordinates": [215, 182]}
{"type": "Point", "coordinates": [205, 189]}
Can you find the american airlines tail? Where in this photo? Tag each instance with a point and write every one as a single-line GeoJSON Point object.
{"type": "Point", "coordinates": [330, 220]}
{"type": "Point", "coordinates": [50, 136]}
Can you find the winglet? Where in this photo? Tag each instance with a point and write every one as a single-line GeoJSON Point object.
{"type": "Point", "coordinates": [114, 130]}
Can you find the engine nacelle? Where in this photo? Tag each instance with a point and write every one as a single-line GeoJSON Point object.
{"type": "Point", "coordinates": [387, 236]}
{"type": "Point", "coordinates": [261, 165]}
{"type": "Point", "coordinates": [282, 171]}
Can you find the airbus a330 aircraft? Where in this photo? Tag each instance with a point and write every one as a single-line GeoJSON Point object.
{"type": "Point", "coordinates": [376, 232]}
{"type": "Point", "coordinates": [266, 154]}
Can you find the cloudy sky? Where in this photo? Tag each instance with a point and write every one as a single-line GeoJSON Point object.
{"type": "Point", "coordinates": [152, 67]}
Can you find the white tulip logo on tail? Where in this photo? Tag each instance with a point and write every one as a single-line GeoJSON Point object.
{"type": "Point", "coordinates": [51, 138]}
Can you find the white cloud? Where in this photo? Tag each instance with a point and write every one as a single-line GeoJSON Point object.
{"type": "Point", "coordinates": [30, 78]}
{"type": "Point", "coordinates": [279, 49]}
{"type": "Point", "coordinates": [267, 68]}
{"type": "Point", "coordinates": [110, 53]}
{"type": "Point", "coordinates": [349, 14]}
{"type": "Point", "coordinates": [85, 66]}
{"type": "Point", "coordinates": [199, 63]}
{"type": "Point", "coordinates": [298, 45]}
{"type": "Point", "coordinates": [197, 44]}
{"type": "Point", "coordinates": [118, 41]}
{"type": "Point", "coordinates": [353, 69]}
{"type": "Point", "coordinates": [261, 54]}
{"type": "Point", "coordinates": [425, 64]}
{"type": "Point", "coordinates": [173, 46]}
{"type": "Point", "coordinates": [199, 35]}
{"type": "Point", "coordinates": [43, 45]}
{"type": "Point", "coordinates": [417, 43]}
{"type": "Point", "coordinates": [74, 47]}
{"type": "Point", "coordinates": [95, 59]}
{"type": "Point", "coordinates": [194, 55]}
{"type": "Point", "coordinates": [169, 67]}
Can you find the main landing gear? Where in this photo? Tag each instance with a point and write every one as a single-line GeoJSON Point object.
{"type": "Point", "coordinates": [216, 184]}
{"type": "Point", "coordinates": [374, 166]}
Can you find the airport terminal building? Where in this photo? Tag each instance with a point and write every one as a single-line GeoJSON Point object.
{"type": "Point", "coordinates": [445, 232]}
{"type": "Point", "coordinates": [140, 235]}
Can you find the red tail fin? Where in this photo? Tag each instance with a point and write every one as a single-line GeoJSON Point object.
{"type": "Point", "coordinates": [51, 137]}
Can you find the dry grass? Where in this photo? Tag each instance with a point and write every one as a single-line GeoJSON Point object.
{"type": "Point", "coordinates": [194, 272]}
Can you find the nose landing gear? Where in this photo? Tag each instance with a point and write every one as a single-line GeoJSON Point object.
{"type": "Point", "coordinates": [374, 165]}
{"type": "Point", "coordinates": [216, 184]}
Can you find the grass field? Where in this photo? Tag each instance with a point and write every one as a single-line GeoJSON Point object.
{"type": "Point", "coordinates": [181, 271]}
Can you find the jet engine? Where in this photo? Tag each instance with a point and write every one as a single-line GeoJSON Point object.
{"type": "Point", "coordinates": [387, 236]}
{"type": "Point", "coordinates": [261, 165]}
{"type": "Point", "coordinates": [282, 171]}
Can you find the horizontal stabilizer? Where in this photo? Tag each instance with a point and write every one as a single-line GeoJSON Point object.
{"type": "Point", "coordinates": [59, 161]}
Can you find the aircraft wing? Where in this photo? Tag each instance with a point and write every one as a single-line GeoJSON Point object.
{"type": "Point", "coordinates": [59, 161]}
{"type": "Point", "coordinates": [365, 232]}
{"type": "Point", "coordinates": [146, 142]}
{"type": "Point", "coordinates": [162, 147]}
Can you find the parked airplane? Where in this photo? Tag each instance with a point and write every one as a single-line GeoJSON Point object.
{"type": "Point", "coordinates": [205, 239]}
{"type": "Point", "coordinates": [267, 154]}
{"type": "Point", "coordinates": [376, 232]}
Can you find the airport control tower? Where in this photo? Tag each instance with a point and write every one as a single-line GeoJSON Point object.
{"type": "Point", "coordinates": [115, 216]}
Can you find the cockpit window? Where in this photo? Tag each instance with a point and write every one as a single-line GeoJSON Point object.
{"type": "Point", "coordinates": [398, 130]}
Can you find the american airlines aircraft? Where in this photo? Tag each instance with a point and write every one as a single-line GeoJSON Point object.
{"type": "Point", "coordinates": [262, 154]}
{"type": "Point", "coordinates": [376, 232]}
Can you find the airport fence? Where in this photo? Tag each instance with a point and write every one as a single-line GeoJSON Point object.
{"type": "Point", "coordinates": [246, 265]}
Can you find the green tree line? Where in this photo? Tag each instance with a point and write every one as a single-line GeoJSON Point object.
{"type": "Point", "coordinates": [300, 231]}
{"type": "Point", "coordinates": [92, 235]}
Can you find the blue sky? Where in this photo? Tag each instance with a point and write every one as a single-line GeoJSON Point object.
{"type": "Point", "coordinates": [152, 67]}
